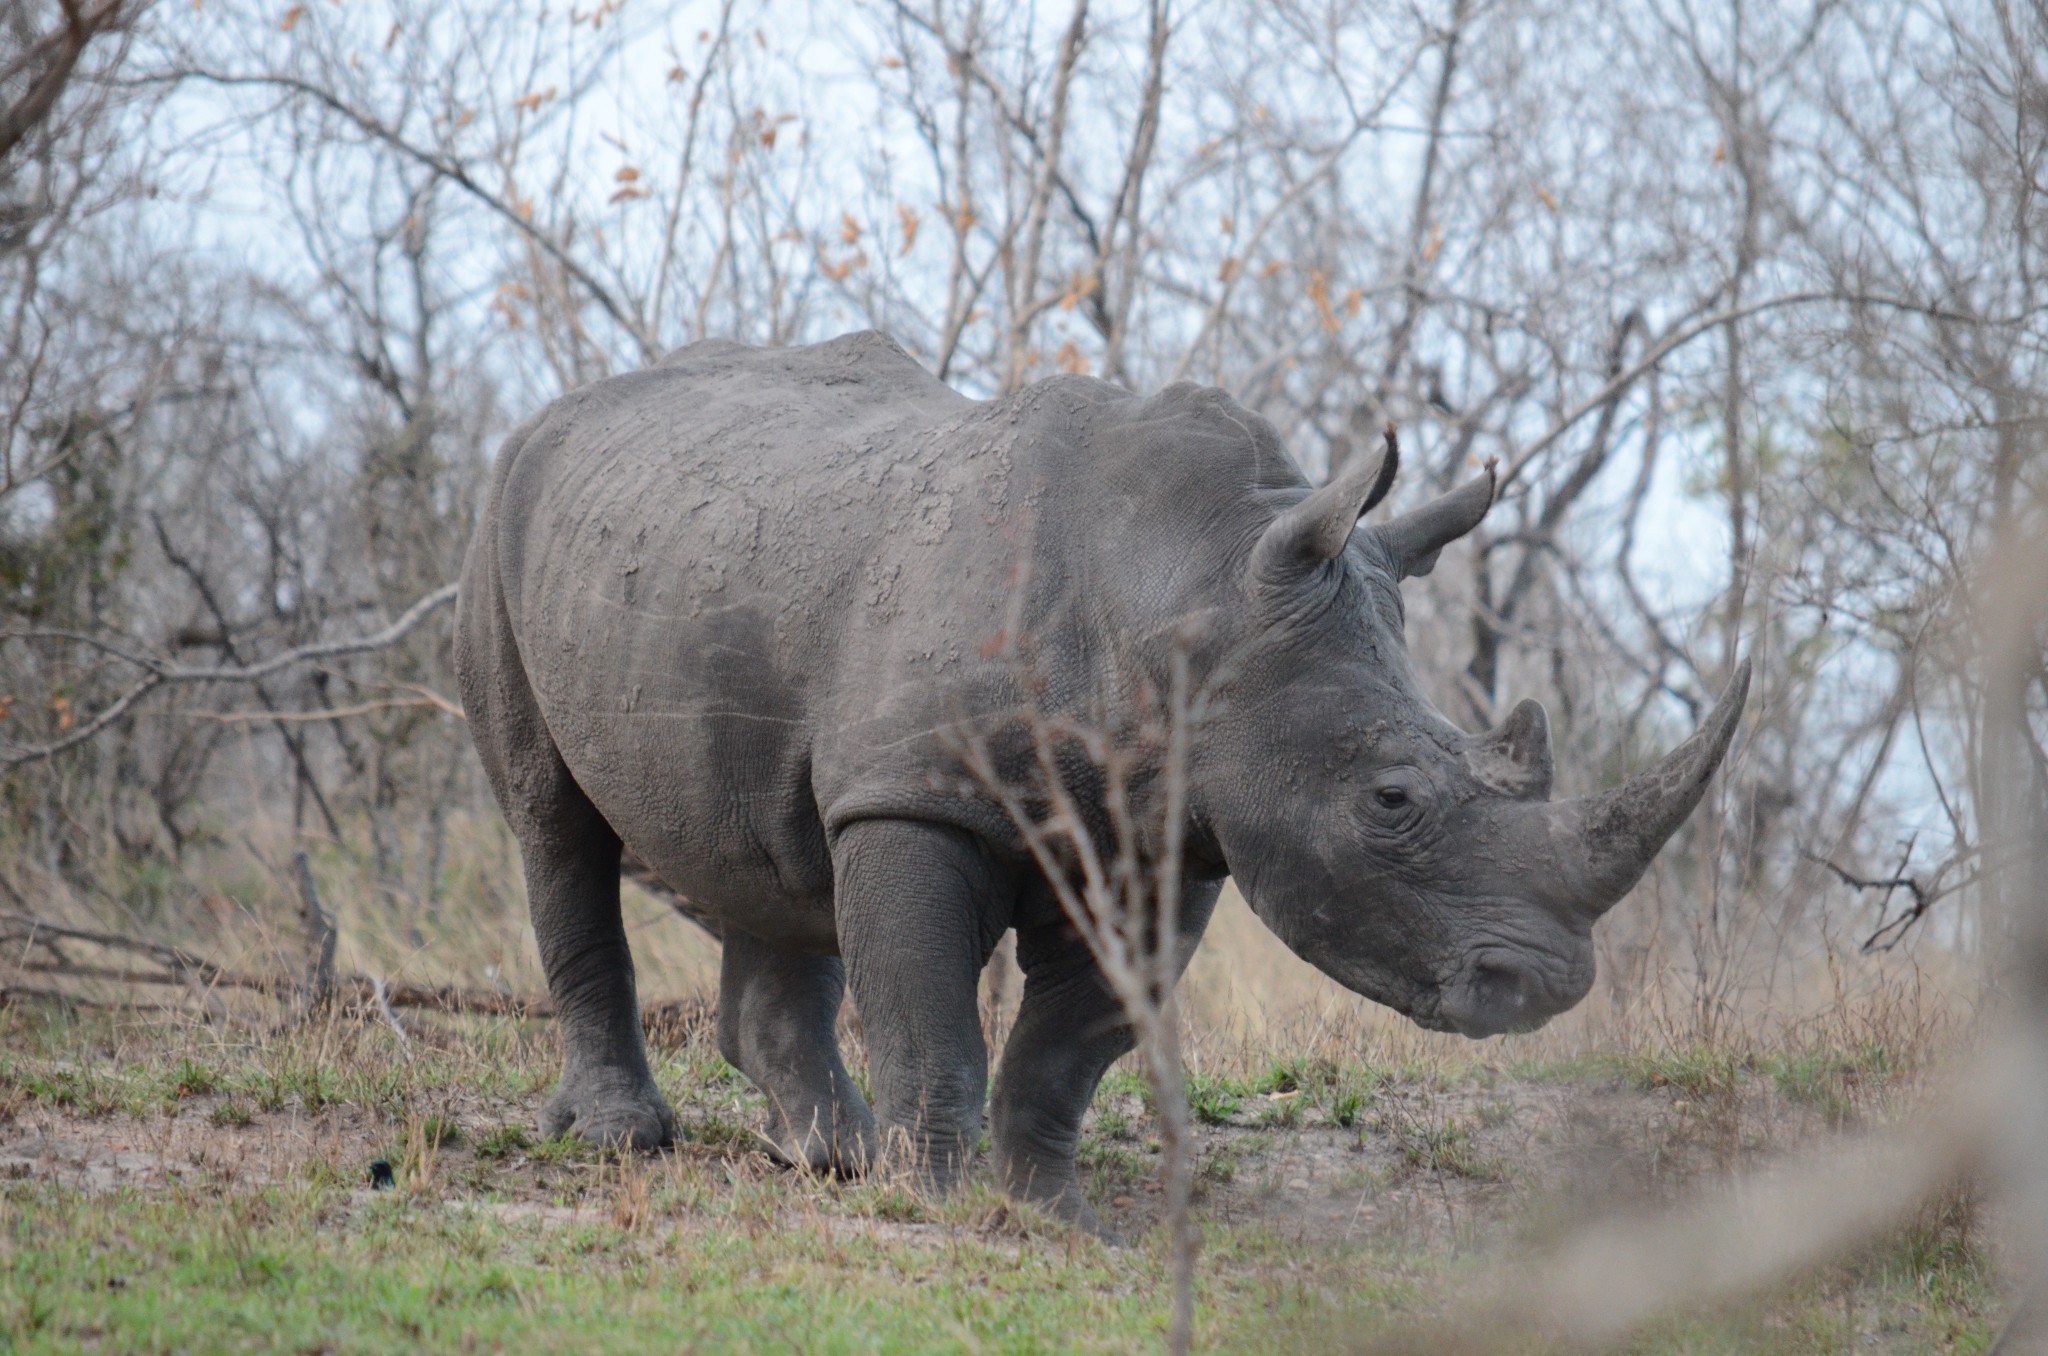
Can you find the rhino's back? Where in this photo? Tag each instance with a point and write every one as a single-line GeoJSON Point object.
{"type": "Point", "coordinates": [713, 565]}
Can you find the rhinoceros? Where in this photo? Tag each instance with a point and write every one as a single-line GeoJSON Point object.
{"type": "Point", "coordinates": [730, 614]}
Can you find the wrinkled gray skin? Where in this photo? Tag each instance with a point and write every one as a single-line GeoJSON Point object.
{"type": "Point", "coordinates": [730, 612]}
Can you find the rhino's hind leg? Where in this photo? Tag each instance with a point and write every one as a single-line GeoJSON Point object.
{"type": "Point", "coordinates": [607, 1094]}
{"type": "Point", "coordinates": [778, 1015]}
{"type": "Point", "coordinates": [915, 903]}
{"type": "Point", "coordinates": [1070, 1029]}
{"type": "Point", "coordinates": [571, 857]}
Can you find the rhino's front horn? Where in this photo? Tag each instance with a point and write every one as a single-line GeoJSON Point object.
{"type": "Point", "coordinates": [1619, 832]}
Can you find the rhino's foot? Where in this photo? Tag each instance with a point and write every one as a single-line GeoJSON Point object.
{"type": "Point", "coordinates": [1057, 1193]}
{"type": "Point", "coordinates": [931, 1164]}
{"type": "Point", "coordinates": [615, 1112]}
{"type": "Point", "coordinates": [829, 1139]}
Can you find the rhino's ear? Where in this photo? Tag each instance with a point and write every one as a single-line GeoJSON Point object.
{"type": "Point", "coordinates": [1317, 528]}
{"type": "Point", "coordinates": [1415, 538]}
{"type": "Point", "coordinates": [1514, 759]}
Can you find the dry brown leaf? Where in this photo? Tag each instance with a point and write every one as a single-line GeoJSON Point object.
{"type": "Point", "coordinates": [291, 18]}
{"type": "Point", "coordinates": [1319, 293]}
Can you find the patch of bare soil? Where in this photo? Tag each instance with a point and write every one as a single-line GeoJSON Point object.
{"type": "Point", "coordinates": [183, 1147]}
{"type": "Point", "coordinates": [1437, 1165]}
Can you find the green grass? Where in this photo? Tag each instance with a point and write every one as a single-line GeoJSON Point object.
{"type": "Point", "coordinates": [1826, 1080]}
{"type": "Point", "coordinates": [312, 1269]}
{"type": "Point", "coordinates": [503, 1141]}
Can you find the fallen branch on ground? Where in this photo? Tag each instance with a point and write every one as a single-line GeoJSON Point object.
{"type": "Point", "coordinates": [353, 992]}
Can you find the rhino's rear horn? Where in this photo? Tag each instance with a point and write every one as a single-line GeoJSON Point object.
{"type": "Point", "coordinates": [1415, 538]}
{"type": "Point", "coordinates": [1620, 831]}
{"type": "Point", "coordinates": [1514, 758]}
{"type": "Point", "coordinates": [1317, 528]}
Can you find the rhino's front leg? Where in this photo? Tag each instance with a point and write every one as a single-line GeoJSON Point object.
{"type": "Point", "coordinates": [1070, 1029]}
{"type": "Point", "coordinates": [916, 903]}
{"type": "Point", "coordinates": [778, 1018]}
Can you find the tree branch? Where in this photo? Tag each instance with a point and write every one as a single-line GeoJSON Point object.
{"type": "Point", "coordinates": [159, 673]}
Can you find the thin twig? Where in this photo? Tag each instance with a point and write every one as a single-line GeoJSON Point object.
{"type": "Point", "coordinates": [318, 990]}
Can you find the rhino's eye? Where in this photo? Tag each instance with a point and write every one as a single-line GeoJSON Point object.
{"type": "Point", "coordinates": [1392, 797]}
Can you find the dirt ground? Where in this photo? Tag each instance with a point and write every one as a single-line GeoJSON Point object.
{"type": "Point", "coordinates": [1425, 1161]}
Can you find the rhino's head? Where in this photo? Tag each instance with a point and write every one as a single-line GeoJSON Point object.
{"type": "Point", "coordinates": [1420, 865]}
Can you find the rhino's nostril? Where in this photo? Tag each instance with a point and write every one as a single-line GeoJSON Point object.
{"type": "Point", "coordinates": [1500, 989]}
{"type": "Point", "coordinates": [1493, 997]}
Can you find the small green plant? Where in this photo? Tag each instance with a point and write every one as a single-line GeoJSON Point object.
{"type": "Point", "coordinates": [1118, 1084]}
{"type": "Point", "coordinates": [1223, 1162]}
{"type": "Point", "coordinates": [1826, 1080]}
{"type": "Point", "coordinates": [895, 1204]}
{"type": "Point", "coordinates": [1701, 1074]}
{"type": "Point", "coordinates": [192, 1080]}
{"type": "Point", "coordinates": [1494, 1114]}
{"type": "Point", "coordinates": [1113, 1123]}
{"type": "Point", "coordinates": [438, 1131]}
{"type": "Point", "coordinates": [230, 1113]}
{"type": "Point", "coordinates": [79, 1090]}
{"type": "Point", "coordinates": [1351, 1095]}
{"type": "Point", "coordinates": [726, 1135]}
{"type": "Point", "coordinates": [1116, 1163]}
{"type": "Point", "coordinates": [503, 1141]}
{"type": "Point", "coordinates": [1281, 1110]}
{"type": "Point", "coordinates": [1297, 1075]}
{"type": "Point", "coordinates": [563, 1149]}
{"type": "Point", "coordinates": [1446, 1146]}
{"type": "Point", "coordinates": [1212, 1099]}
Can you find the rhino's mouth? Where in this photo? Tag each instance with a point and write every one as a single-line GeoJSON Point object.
{"type": "Point", "coordinates": [1496, 992]}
